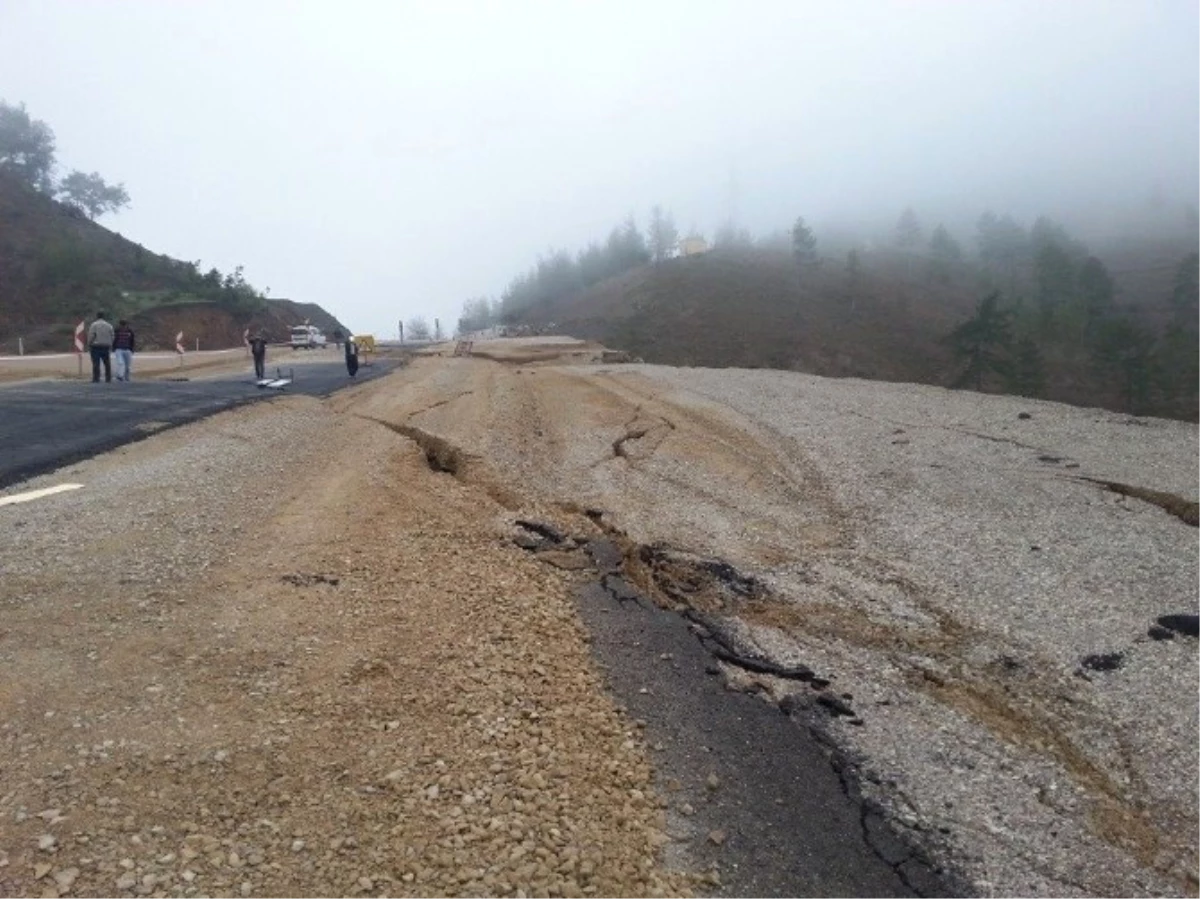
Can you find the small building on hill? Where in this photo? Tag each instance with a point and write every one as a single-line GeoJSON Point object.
{"type": "Point", "coordinates": [693, 246]}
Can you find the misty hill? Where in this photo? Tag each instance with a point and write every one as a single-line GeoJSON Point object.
{"type": "Point", "coordinates": [58, 267]}
{"type": "Point", "coordinates": [749, 310]}
{"type": "Point", "coordinates": [899, 316]}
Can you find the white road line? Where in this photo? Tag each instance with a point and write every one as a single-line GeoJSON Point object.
{"type": "Point", "coordinates": [36, 494]}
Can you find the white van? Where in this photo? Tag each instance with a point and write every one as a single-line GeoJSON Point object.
{"type": "Point", "coordinates": [307, 337]}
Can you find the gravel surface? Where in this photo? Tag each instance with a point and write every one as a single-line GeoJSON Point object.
{"type": "Point", "coordinates": [937, 556]}
{"type": "Point", "coordinates": [975, 574]}
{"type": "Point", "coordinates": [272, 653]}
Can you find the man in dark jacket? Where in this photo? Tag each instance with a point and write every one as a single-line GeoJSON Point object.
{"type": "Point", "coordinates": [258, 350]}
{"type": "Point", "coordinates": [124, 345]}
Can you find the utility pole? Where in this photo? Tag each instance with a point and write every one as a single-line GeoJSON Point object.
{"type": "Point", "coordinates": [437, 330]}
{"type": "Point", "coordinates": [401, 332]}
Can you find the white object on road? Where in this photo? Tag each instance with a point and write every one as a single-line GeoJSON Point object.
{"type": "Point", "coordinates": [36, 494]}
{"type": "Point", "coordinates": [307, 337]}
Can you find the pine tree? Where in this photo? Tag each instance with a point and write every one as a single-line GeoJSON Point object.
{"type": "Point", "coordinates": [908, 230]}
{"type": "Point", "coordinates": [663, 235]}
{"type": "Point", "coordinates": [1026, 373]}
{"type": "Point", "coordinates": [853, 277]}
{"type": "Point", "coordinates": [1003, 245]}
{"type": "Point", "coordinates": [853, 267]}
{"type": "Point", "coordinates": [1123, 352]}
{"type": "Point", "coordinates": [1095, 292]}
{"type": "Point", "coordinates": [982, 342]}
{"type": "Point", "coordinates": [804, 244]}
{"type": "Point", "coordinates": [1177, 376]}
{"type": "Point", "coordinates": [1185, 297]}
{"type": "Point", "coordinates": [1054, 274]}
{"type": "Point", "coordinates": [944, 253]}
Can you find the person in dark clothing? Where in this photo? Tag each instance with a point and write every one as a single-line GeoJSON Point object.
{"type": "Point", "coordinates": [351, 356]}
{"type": "Point", "coordinates": [124, 344]}
{"type": "Point", "coordinates": [100, 340]}
{"type": "Point", "coordinates": [258, 350]}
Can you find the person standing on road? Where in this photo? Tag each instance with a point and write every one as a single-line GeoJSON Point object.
{"type": "Point", "coordinates": [124, 344]}
{"type": "Point", "coordinates": [100, 341]}
{"type": "Point", "coordinates": [351, 355]}
{"type": "Point", "coordinates": [258, 350]}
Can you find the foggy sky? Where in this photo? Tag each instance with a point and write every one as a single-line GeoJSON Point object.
{"type": "Point", "coordinates": [392, 159]}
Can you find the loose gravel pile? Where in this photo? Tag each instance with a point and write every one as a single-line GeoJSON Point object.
{"type": "Point", "coordinates": [274, 654]}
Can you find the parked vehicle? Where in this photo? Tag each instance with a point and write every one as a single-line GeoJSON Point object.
{"type": "Point", "coordinates": [307, 337]}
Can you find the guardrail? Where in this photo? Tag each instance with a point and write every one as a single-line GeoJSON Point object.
{"type": "Point", "coordinates": [45, 357]}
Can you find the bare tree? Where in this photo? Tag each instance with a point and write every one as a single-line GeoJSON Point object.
{"type": "Point", "coordinates": [417, 329]}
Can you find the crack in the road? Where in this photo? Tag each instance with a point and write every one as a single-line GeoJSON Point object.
{"type": "Point", "coordinates": [440, 454]}
{"type": "Point", "coordinates": [954, 430]}
{"type": "Point", "coordinates": [618, 446]}
{"type": "Point", "coordinates": [634, 432]}
{"type": "Point", "coordinates": [441, 403]}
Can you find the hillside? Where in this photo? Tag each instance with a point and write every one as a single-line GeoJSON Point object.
{"type": "Point", "coordinates": [218, 328]}
{"type": "Point", "coordinates": [57, 267]}
{"type": "Point", "coordinates": [748, 308]}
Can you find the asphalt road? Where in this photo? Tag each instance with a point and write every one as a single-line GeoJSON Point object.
{"type": "Point", "coordinates": [48, 424]}
{"type": "Point", "coordinates": [778, 818]}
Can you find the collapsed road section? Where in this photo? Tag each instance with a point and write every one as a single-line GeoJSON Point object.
{"type": "Point", "coordinates": [757, 787]}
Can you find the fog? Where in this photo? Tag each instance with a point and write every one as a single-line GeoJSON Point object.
{"type": "Point", "coordinates": [390, 160]}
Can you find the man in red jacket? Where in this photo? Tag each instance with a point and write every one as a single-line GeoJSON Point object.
{"type": "Point", "coordinates": [124, 344]}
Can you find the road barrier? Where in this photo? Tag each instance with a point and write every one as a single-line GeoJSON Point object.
{"type": "Point", "coordinates": [44, 357]}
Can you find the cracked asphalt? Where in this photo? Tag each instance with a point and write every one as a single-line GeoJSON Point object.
{"type": "Point", "coordinates": [745, 781]}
